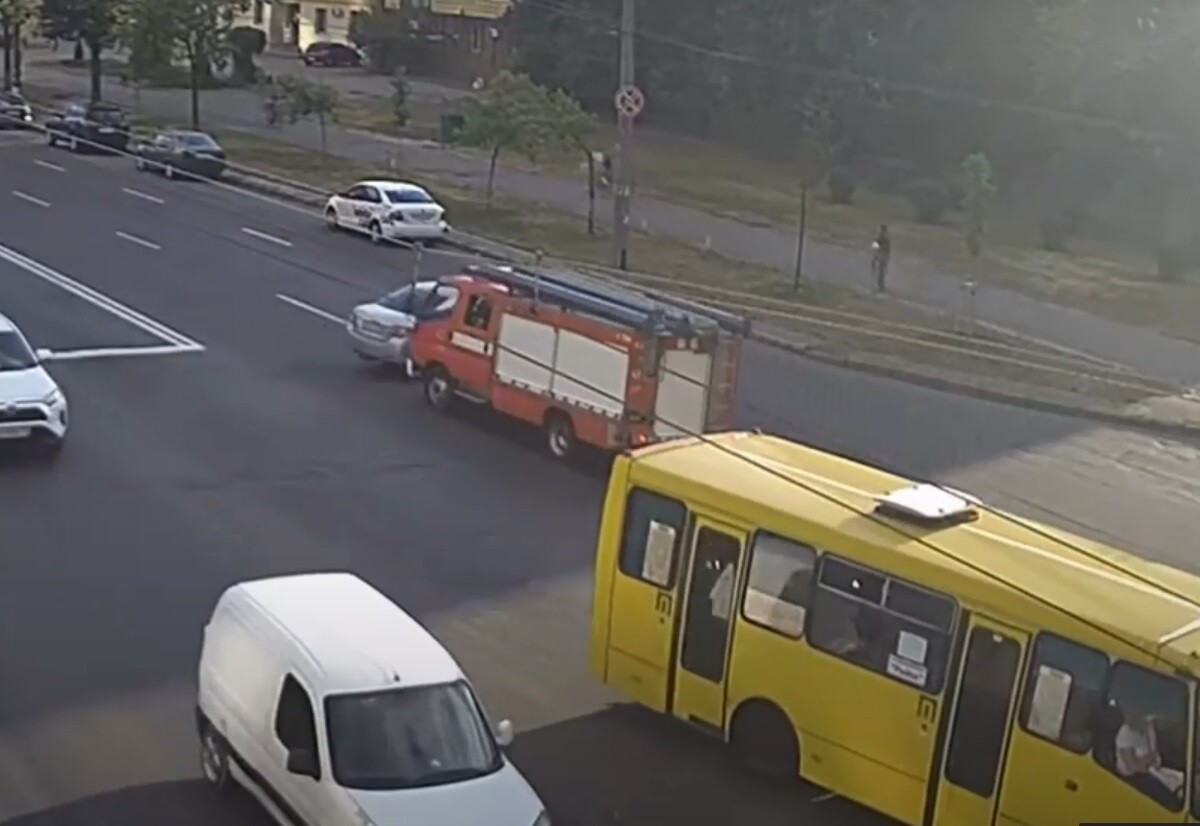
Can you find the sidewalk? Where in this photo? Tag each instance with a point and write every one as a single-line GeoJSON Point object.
{"type": "Point", "coordinates": [1144, 350]}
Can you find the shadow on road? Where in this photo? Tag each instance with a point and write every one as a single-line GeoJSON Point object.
{"type": "Point", "coordinates": [179, 803]}
{"type": "Point", "coordinates": [624, 765]}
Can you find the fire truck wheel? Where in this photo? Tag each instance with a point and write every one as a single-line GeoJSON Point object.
{"type": "Point", "coordinates": [560, 434]}
{"type": "Point", "coordinates": [439, 389]}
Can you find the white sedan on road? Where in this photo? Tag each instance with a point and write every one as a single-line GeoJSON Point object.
{"type": "Point", "coordinates": [379, 330]}
{"type": "Point", "coordinates": [32, 407]}
{"type": "Point", "coordinates": [388, 210]}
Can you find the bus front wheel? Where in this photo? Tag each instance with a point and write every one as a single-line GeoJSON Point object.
{"type": "Point", "coordinates": [765, 741]}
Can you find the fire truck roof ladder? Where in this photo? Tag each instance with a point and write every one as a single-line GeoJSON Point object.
{"type": "Point", "coordinates": [651, 312]}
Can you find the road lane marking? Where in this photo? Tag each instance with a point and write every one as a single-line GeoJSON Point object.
{"type": "Point", "coordinates": [47, 165]}
{"type": "Point", "coordinates": [98, 299]}
{"type": "Point", "coordinates": [150, 245]}
{"type": "Point", "coordinates": [122, 352]}
{"type": "Point", "coordinates": [25, 196]}
{"type": "Point", "coordinates": [821, 798]}
{"type": "Point", "coordinates": [137, 193]}
{"type": "Point", "coordinates": [310, 309]}
{"type": "Point", "coordinates": [265, 237]}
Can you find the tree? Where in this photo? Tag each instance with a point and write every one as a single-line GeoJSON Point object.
{"type": "Point", "coordinates": [574, 130]}
{"type": "Point", "coordinates": [15, 17]}
{"type": "Point", "coordinates": [400, 97]}
{"type": "Point", "coordinates": [513, 114]}
{"type": "Point", "coordinates": [815, 152]}
{"type": "Point", "coordinates": [245, 43]}
{"type": "Point", "coordinates": [92, 21]}
{"type": "Point", "coordinates": [303, 99]}
{"type": "Point", "coordinates": [978, 189]}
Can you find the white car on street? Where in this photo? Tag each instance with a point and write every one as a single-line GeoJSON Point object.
{"type": "Point", "coordinates": [32, 407]}
{"type": "Point", "coordinates": [380, 330]}
{"type": "Point", "coordinates": [387, 210]}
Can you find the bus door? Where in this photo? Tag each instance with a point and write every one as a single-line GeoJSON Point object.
{"type": "Point", "coordinates": [702, 654]}
{"type": "Point", "coordinates": [966, 790]}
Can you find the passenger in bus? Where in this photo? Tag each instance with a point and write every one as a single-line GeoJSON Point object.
{"type": "Point", "coordinates": [1140, 762]}
{"type": "Point", "coordinates": [861, 644]}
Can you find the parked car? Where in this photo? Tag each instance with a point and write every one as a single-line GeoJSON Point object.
{"type": "Point", "coordinates": [15, 111]}
{"type": "Point", "coordinates": [176, 151]}
{"type": "Point", "coordinates": [331, 54]}
{"type": "Point", "coordinates": [388, 210]}
{"type": "Point", "coordinates": [89, 127]}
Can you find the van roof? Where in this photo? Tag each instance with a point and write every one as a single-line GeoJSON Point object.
{"type": "Point", "coordinates": [351, 637]}
{"type": "Point", "coordinates": [1154, 606]}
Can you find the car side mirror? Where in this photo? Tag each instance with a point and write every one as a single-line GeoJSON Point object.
{"type": "Point", "coordinates": [504, 733]}
{"type": "Point", "coordinates": [304, 763]}
{"type": "Point", "coordinates": [42, 354]}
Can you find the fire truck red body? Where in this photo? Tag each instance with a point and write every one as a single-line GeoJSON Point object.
{"type": "Point", "coordinates": [587, 362]}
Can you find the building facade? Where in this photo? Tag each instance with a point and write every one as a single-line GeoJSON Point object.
{"type": "Point", "coordinates": [297, 25]}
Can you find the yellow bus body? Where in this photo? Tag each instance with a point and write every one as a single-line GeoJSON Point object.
{"type": "Point", "coordinates": [1056, 645]}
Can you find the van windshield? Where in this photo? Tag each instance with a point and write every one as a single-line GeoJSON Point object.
{"type": "Point", "coordinates": [409, 738]}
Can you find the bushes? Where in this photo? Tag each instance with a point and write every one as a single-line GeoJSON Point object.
{"type": "Point", "coordinates": [930, 200]}
{"type": "Point", "coordinates": [842, 185]}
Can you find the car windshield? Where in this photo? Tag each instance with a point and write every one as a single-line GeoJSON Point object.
{"type": "Point", "coordinates": [14, 352]}
{"type": "Point", "coordinates": [106, 114]}
{"type": "Point", "coordinates": [196, 140]}
{"type": "Point", "coordinates": [408, 196]}
{"type": "Point", "coordinates": [409, 737]}
{"type": "Point", "coordinates": [429, 298]}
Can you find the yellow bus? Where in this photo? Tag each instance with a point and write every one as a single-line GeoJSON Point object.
{"type": "Point", "coordinates": [897, 643]}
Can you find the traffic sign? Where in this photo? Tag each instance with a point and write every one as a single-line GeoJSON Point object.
{"type": "Point", "coordinates": [630, 101]}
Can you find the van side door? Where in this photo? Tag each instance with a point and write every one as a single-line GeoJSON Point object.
{"type": "Point", "coordinates": [296, 768]}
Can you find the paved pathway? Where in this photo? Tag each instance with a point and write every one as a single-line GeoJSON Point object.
{"type": "Point", "coordinates": [1145, 350]}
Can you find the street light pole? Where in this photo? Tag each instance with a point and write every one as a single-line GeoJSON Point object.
{"type": "Point", "coordinates": [623, 168]}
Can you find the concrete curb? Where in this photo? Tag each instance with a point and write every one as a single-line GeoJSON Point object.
{"type": "Point", "coordinates": [1081, 409]}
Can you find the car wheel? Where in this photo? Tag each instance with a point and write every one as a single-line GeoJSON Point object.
{"type": "Point", "coordinates": [331, 219]}
{"type": "Point", "coordinates": [72, 144]}
{"type": "Point", "coordinates": [376, 230]}
{"type": "Point", "coordinates": [139, 164]}
{"type": "Point", "coordinates": [51, 138]}
{"type": "Point", "coordinates": [439, 389]}
{"type": "Point", "coordinates": [214, 757]}
{"type": "Point", "coordinates": [51, 446]}
{"type": "Point", "coordinates": [560, 435]}
{"type": "Point", "coordinates": [169, 172]}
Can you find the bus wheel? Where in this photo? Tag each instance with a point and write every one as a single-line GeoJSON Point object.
{"type": "Point", "coordinates": [439, 389]}
{"type": "Point", "coordinates": [560, 434]}
{"type": "Point", "coordinates": [763, 740]}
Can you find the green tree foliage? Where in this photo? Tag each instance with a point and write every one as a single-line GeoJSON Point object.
{"type": "Point", "coordinates": [574, 130]}
{"type": "Point", "coordinates": [16, 17]}
{"type": "Point", "coordinates": [975, 178]}
{"type": "Point", "coordinates": [392, 39]}
{"type": "Point", "coordinates": [92, 21]}
{"type": "Point", "coordinates": [400, 98]}
{"type": "Point", "coordinates": [245, 44]}
{"type": "Point", "coordinates": [294, 99]}
{"type": "Point", "coordinates": [513, 114]}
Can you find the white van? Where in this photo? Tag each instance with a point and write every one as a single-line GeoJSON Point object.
{"type": "Point", "coordinates": [336, 708]}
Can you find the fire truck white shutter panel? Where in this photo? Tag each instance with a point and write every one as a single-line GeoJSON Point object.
{"type": "Point", "coordinates": [683, 380]}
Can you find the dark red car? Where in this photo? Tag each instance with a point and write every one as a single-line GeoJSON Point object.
{"type": "Point", "coordinates": [331, 54]}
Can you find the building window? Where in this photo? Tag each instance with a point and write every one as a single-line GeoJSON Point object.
{"type": "Point", "coordinates": [320, 21]}
{"type": "Point", "coordinates": [476, 38]}
{"type": "Point", "coordinates": [258, 12]}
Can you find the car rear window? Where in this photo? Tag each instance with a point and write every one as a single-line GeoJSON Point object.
{"type": "Point", "coordinates": [408, 196]}
{"type": "Point", "coordinates": [104, 114]}
{"type": "Point", "coordinates": [197, 140]}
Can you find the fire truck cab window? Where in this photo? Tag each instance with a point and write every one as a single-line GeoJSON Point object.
{"type": "Point", "coordinates": [479, 312]}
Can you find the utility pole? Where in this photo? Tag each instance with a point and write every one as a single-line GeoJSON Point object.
{"type": "Point", "coordinates": [623, 168]}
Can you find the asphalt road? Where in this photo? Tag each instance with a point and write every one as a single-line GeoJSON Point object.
{"type": "Point", "coordinates": [274, 450]}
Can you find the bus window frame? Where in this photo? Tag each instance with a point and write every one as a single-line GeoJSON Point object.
{"type": "Point", "coordinates": [817, 554]}
{"type": "Point", "coordinates": [681, 538]}
{"type": "Point", "coordinates": [948, 652]}
{"type": "Point", "coordinates": [1193, 779]}
{"type": "Point", "coordinates": [1027, 689]}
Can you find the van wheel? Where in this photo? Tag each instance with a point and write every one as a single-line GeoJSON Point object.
{"type": "Point", "coordinates": [765, 742]}
{"type": "Point", "coordinates": [439, 389]}
{"type": "Point", "coordinates": [214, 757]}
{"type": "Point", "coordinates": [560, 435]}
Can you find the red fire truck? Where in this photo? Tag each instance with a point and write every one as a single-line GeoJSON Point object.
{"type": "Point", "coordinates": [584, 360]}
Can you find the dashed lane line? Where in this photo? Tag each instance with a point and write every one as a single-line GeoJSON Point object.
{"type": "Point", "coordinates": [30, 199]}
{"type": "Point", "coordinates": [141, 242]}
{"type": "Point", "coordinates": [254, 233]}
{"type": "Point", "coordinates": [53, 167]}
{"type": "Point", "coordinates": [145, 196]}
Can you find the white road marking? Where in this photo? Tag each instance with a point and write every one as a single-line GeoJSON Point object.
{"type": "Point", "coordinates": [265, 237]}
{"type": "Point", "coordinates": [99, 300]}
{"type": "Point", "coordinates": [154, 199]}
{"type": "Point", "coordinates": [150, 245]}
{"type": "Point", "coordinates": [308, 308]}
{"type": "Point", "coordinates": [821, 798]}
{"type": "Point", "coordinates": [47, 165]}
{"type": "Point", "coordinates": [25, 196]}
{"type": "Point", "coordinates": [122, 352]}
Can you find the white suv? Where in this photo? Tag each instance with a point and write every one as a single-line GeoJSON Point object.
{"type": "Point", "coordinates": [32, 407]}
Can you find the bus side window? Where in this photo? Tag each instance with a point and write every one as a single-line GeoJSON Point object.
{"type": "Point", "coordinates": [1063, 692]}
{"type": "Point", "coordinates": [652, 537]}
{"type": "Point", "coordinates": [779, 584]}
{"type": "Point", "coordinates": [1141, 733]}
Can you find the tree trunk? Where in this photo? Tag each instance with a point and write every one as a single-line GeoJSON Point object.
{"type": "Point", "coordinates": [321, 124]}
{"type": "Point", "coordinates": [803, 229]}
{"type": "Point", "coordinates": [95, 69]}
{"type": "Point", "coordinates": [6, 33]}
{"type": "Point", "coordinates": [491, 184]}
{"type": "Point", "coordinates": [591, 216]}
{"type": "Point", "coordinates": [77, 52]}
{"type": "Point", "coordinates": [16, 52]}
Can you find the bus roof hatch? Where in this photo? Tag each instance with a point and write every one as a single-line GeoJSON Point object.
{"type": "Point", "coordinates": [927, 504]}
